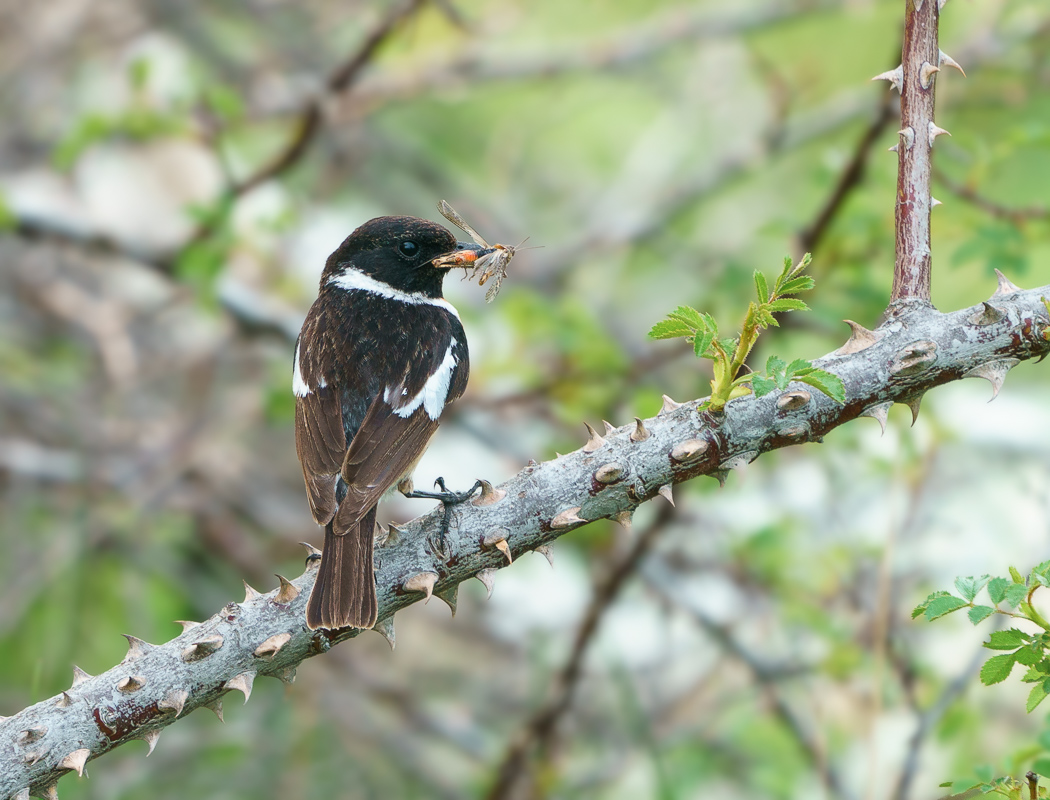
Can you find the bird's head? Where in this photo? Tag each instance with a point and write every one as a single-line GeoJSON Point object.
{"type": "Point", "coordinates": [408, 254]}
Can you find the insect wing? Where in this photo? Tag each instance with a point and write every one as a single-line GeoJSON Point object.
{"type": "Point", "coordinates": [449, 213]}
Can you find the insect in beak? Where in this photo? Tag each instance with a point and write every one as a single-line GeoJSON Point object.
{"type": "Point", "coordinates": [490, 261]}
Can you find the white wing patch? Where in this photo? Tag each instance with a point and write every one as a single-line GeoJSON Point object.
{"type": "Point", "coordinates": [351, 278]}
{"type": "Point", "coordinates": [434, 392]}
{"type": "Point", "coordinates": [299, 386]}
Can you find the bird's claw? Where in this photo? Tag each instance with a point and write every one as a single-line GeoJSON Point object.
{"type": "Point", "coordinates": [448, 499]}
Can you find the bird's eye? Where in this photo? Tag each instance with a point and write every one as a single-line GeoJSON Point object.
{"type": "Point", "coordinates": [410, 249]}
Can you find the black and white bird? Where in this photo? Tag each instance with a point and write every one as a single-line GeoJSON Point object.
{"type": "Point", "coordinates": [380, 355]}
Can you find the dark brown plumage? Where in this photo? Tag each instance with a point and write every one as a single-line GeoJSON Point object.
{"type": "Point", "coordinates": [380, 355]}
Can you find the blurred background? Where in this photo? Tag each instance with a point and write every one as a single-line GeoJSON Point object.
{"type": "Point", "coordinates": [172, 178]}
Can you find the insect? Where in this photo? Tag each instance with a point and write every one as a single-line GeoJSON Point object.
{"type": "Point", "coordinates": [490, 265]}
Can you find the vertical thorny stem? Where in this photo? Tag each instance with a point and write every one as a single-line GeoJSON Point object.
{"type": "Point", "coordinates": [920, 61]}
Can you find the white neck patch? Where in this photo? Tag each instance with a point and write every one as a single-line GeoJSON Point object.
{"type": "Point", "coordinates": [352, 279]}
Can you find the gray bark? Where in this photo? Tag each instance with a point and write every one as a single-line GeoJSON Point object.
{"type": "Point", "coordinates": [609, 477]}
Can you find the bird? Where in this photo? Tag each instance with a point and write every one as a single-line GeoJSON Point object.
{"type": "Point", "coordinates": [380, 355]}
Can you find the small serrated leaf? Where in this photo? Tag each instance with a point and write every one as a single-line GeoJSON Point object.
{"type": "Point", "coordinates": [796, 285]}
{"type": "Point", "coordinates": [997, 669]}
{"type": "Point", "coordinates": [997, 589]}
{"type": "Point", "coordinates": [690, 316]}
{"type": "Point", "coordinates": [827, 382]}
{"type": "Point", "coordinates": [774, 364]}
{"type": "Point", "coordinates": [980, 613]}
{"type": "Point", "coordinates": [1016, 575]}
{"type": "Point", "coordinates": [762, 385]}
{"type": "Point", "coordinates": [1035, 697]}
{"type": "Point", "coordinates": [1028, 657]}
{"type": "Point", "coordinates": [937, 607]}
{"type": "Point", "coordinates": [787, 304]}
{"type": "Point", "coordinates": [702, 341]}
{"type": "Point", "coordinates": [669, 329]}
{"type": "Point", "coordinates": [761, 288]}
{"type": "Point", "coordinates": [799, 366]}
{"type": "Point", "coordinates": [969, 586]}
{"type": "Point", "coordinates": [1015, 593]}
{"type": "Point", "coordinates": [1009, 639]}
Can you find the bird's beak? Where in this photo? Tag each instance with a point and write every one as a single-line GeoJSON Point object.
{"type": "Point", "coordinates": [465, 254]}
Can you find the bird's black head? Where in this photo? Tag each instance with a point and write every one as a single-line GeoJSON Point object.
{"type": "Point", "coordinates": [399, 252]}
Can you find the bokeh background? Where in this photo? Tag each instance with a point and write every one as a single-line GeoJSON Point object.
{"type": "Point", "coordinates": [172, 177]}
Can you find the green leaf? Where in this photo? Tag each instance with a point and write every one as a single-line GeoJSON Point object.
{"type": "Point", "coordinates": [997, 589]}
{"type": "Point", "coordinates": [702, 341]}
{"type": "Point", "coordinates": [762, 385]}
{"type": "Point", "coordinates": [787, 304]}
{"type": "Point", "coordinates": [774, 364]}
{"type": "Point", "coordinates": [969, 587]}
{"type": "Point", "coordinates": [920, 609]}
{"type": "Point", "coordinates": [1028, 656]}
{"type": "Point", "coordinates": [979, 613]}
{"type": "Point", "coordinates": [761, 288]}
{"type": "Point", "coordinates": [827, 382]}
{"type": "Point", "coordinates": [1007, 640]}
{"type": "Point", "coordinates": [690, 316]}
{"type": "Point", "coordinates": [669, 329]}
{"type": "Point", "coordinates": [1035, 697]}
{"type": "Point", "coordinates": [798, 366]}
{"type": "Point", "coordinates": [997, 669]}
{"type": "Point", "coordinates": [937, 607]}
{"type": "Point", "coordinates": [1015, 593]}
{"type": "Point", "coordinates": [796, 285]}
{"type": "Point", "coordinates": [1016, 575]}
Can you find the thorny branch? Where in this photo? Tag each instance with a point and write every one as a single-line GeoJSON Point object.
{"type": "Point", "coordinates": [608, 477]}
{"type": "Point", "coordinates": [539, 732]}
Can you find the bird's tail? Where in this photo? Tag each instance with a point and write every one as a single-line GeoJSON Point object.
{"type": "Point", "coordinates": [344, 594]}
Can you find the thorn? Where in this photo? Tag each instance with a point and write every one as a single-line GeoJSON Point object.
{"type": "Point", "coordinates": [63, 701]}
{"type": "Point", "coordinates": [665, 492]}
{"type": "Point", "coordinates": [894, 76]}
{"type": "Point", "coordinates": [33, 757]}
{"type": "Point", "coordinates": [175, 701]}
{"type": "Point", "coordinates": [639, 434]}
{"type": "Point", "coordinates": [498, 538]}
{"type": "Point", "coordinates": [488, 578]}
{"type": "Point", "coordinates": [595, 441]}
{"type": "Point", "coordinates": [533, 463]}
{"type": "Point", "coordinates": [489, 495]}
{"type": "Point", "coordinates": [131, 684]}
{"type": "Point", "coordinates": [75, 761]}
{"type": "Point", "coordinates": [913, 403]}
{"type": "Point", "coordinates": [421, 582]}
{"type": "Point", "coordinates": [994, 372]}
{"type": "Point", "coordinates": [792, 401]}
{"type": "Point", "coordinates": [892, 149]}
{"type": "Point", "coordinates": [272, 646]}
{"type": "Point", "coordinates": [385, 628]}
{"type": "Point", "coordinates": [30, 735]}
{"type": "Point", "coordinates": [988, 315]}
{"type": "Point", "coordinates": [740, 460]}
{"type": "Point", "coordinates": [935, 132]}
{"type": "Point", "coordinates": [249, 592]}
{"type": "Point", "coordinates": [21, 794]}
{"type": "Point", "coordinates": [668, 406]}
{"type": "Point", "coordinates": [557, 454]}
{"type": "Point", "coordinates": [50, 793]}
{"type": "Point", "coordinates": [241, 683]}
{"type": "Point", "coordinates": [1005, 287]}
{"type": "Point", "coordinates": [312, 553]}
{"type": "Point", "coordinates": [136, 648]}
{"type": "Point", "coordinates": [205, 647]}
{"type": "Point", "coordinates": [216, 706]}
{"type": "Point", "coordinates": [451, 596]}
{"type": "Point", "coordinates": [908, 134]}
{"type": "Point", "coordinates": [286, 675]}
{"type": "Point", "coordinates": [879, 412]}
{"type": "Point", "coordinates": [934, 202]}
{"type": "Point", "coordinates": [393, 535]}
{"type": "Point", "coordinates": [186, 624]}
{"type": "Point", "coordinates": [860, 338]}
{"type": "Point", "coordinates": [567, 519]}
{"type": "Point", "coordinates": [547, 551]}
{"type": "Point", "coordinates": [625, 518]}
{"type": "Point", "coordinates": [608, 473]}
{"type": "Point", "coordinates": [287, 593]}
{"type": "Point", "coordinates": [79, 677]}
{"type": "Point", "coordinates": [150, 738]}
{"type": "Point", "coordinates": [947, 60]}
{"type": "Point", "coordinates": [689, 450]}
{"type": "Point", "coordinates": [609, 429]}
{"type": "Point", "coordinates": [941, 4]}
{"type": "Point", "coordinates": [926, 73]}
{"type": "Point", "coordinates": [720, 475]}
{"type": "Point", "coordinates": [914, 358]}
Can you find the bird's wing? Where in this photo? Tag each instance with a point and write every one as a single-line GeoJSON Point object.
{"type": "Point", "coordinates": [398, 425]}
{"type": "Point", "coordinates": [321, 444]}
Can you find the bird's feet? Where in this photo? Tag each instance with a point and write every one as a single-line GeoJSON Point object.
{"type": "Point", "coordinates": [447, 498]}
